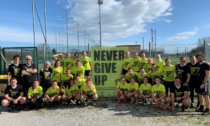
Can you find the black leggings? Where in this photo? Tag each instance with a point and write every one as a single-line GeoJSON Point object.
{"type": "Point", "coordinates": [168, 85]}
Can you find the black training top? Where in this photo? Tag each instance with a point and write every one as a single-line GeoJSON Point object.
{"type": "Point", "coordinates": [203, 67]}
{"type": "Point", "coordinates": [178, 92]}
{"type": "Point", "coordinates": [182, 72]}
{"type": "Point", "coordinates": [28, 79]}
{"type": "Point", "coordinates": [13, 92]}
{"type": "Point", "coordinates": [46, 76]}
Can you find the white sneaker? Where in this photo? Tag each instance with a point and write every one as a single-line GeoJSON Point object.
{"type": "Point", "coordinates": [94, 103]}
{"type": "Point", "coordinates": [85, 103]}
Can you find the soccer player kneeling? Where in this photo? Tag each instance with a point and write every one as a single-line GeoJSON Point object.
{"type": "Point", "coordinates": [179, 93]}
{"type": "Point", "coordinates": [72, 92]}
{"type": "Point", "coordinates": [145, 91]}
{"type": "Point", "coordinates": [159, 93]}
{"type": "Point", "coordinates": [89, 91]}
{"type": "Point", "coordinates": [52, 94]}
{"type": "Point", "coordinates": [133, 90]}
{"type": "Point", "coordinates": [34, 97]}
{"type": "Point", "coordinates": [122, 90]}
{"type": "Point", "coordinates": [13, 96]}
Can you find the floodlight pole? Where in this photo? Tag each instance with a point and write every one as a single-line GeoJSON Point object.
{"type": "Point", "coordinates": [100, 2]}
{"type": "Point", "coordinates": [155, 42]}
{"type": "Point", "coordinates": [67, 31]}
{"type": "Point", "coordinates": [45, 22]}
{"type": "Point", "coordinates": [34, 35]}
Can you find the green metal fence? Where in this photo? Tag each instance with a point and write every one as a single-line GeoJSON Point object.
{"type": "Point", "coordinates": [9, 52]}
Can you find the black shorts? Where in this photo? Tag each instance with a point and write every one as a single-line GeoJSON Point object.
{"type": "Point", "coordinates": [89, 96]}
{"type": "Point", "coordinates": [192, 84]}
{"type": "Point", "coordinates": [124, 71]}
{"type": "Point", "coordinates": [179, 101]}
{"type": "Point", "coordinates": [12, 104]}
{"type": "Point", "coordinates": [87, 72]}
{"type": "Point", "coordinates": [203, 91]}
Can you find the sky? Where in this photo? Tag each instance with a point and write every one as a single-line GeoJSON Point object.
{"type": "Point", "coordinates": [179, 24]}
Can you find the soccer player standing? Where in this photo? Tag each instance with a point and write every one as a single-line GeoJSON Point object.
{"type": "Point", "coordinates": [183, 71]}
{"type": "Point", "coordinates": [194, 72]}
{"type": "Point", "coordinates": [29, 72]}
{"type": "Point", "coordinates": [87, 64]}
{"type": "Point", "coordinates": [202, 86]}
{"type": "Point", "coordinates": [14, 70]}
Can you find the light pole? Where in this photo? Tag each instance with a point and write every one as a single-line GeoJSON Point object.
{"type": "Point", "coordinates": [67, 32]}
{"type": "Point", "coordinates": [99, 3]}
{"type": "Point", "coordinates": [33, 19]}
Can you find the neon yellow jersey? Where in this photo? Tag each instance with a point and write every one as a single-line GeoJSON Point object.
{"type": "Point", "coordinates": [154, 74]}
{"type": "Point", "coordinates": [160, 65]}
{"type": "Point", "coordinates": [35, 92]}
{"type": "Point", "coordinates": [136, 64]}
{"type": "Point", "coordinates": [169, 73]}
{"type": "Point", "coordinates": [143, 62]}
{"type": "Point", "coordinates": [81, 83]}
{"type": "Point", "coordinates": [134, 74]}
{"type": "Point", "coordinates": [145, 89]}
{"type": "Point", "coordinates": [123, 87]}
{"type": "Point", "coordinates": [67, 63]}
{"type": "Point", "coordinates": [61, 61]}
{"type": "Point", "coordinates": [147, 67]}
{"type": "Point", "coordinates": [158, 90]}
{"type": "Point", "coordinates": [127, 62]}
{"type": "Point", "coordinates": [52, 92]}
{"type": "Point", "coordinates": [133, 87]}
{"type": "Point", "coordinates": [71, 91]}
{"type": "Point", "coordinates": [57, 74]}
{"type": "Point", "coordinates": [66, 78]}
{"type": "Point", "coordinates": [141, 78]}
{"type": "Point", "coordinates": [74, 62]}
{"type": "Point", "coordinates": [87, 90]}
{"type": "Point", "coordinates": [80, 71]}
{"type": "Point", "coordinates": [86, 62]}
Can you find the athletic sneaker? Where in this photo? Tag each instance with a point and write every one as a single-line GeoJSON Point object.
{"type": "Point", "coordinates": [197, 106]}
{"type": "Point", "coordinates": [199, 110]}
{"type": "Point", "coordinates": [206, 112]}
{"type": "Point", "coordinates": [85, 103]}
{"type": "Point", "coordinates": [146, 102]}
{"type": "Point", "coordinates": [94, 103]}
{"type": "Point", "coordinates": [182, 108]}
{"type": "Point", "coordinates": [78, 102]}
{"type": "Point", "coordinates": [191, 105]}
{"type": "Point", "coordinates": [177, 105]}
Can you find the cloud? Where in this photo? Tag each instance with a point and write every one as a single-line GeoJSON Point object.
{"type": "Point", "coordinates": [121, 18]}
{"type": "Point", "coordinates": [182, 35]}
{"type": "Point", "coordinates": [167, 21]}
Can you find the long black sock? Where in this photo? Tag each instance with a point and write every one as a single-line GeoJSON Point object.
{"type": "Point", "coordinates": [198, 103]}
{"type": "Point", "coordinates": [192, 96]}
{"type": "Point", "coordinates": [201, 106]}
